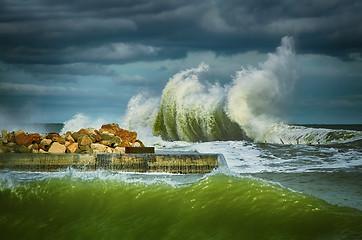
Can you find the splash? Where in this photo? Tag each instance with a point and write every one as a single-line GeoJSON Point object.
{"type": "Point", "coordinates": [257, 95]}
{"type": "Point", "coordinates": [249, 108]}
{"type": "Point", "coordinates": [80, 121]}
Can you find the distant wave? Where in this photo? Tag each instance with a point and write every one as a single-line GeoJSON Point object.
{"type": "Point", "coordinates": [192, 109]}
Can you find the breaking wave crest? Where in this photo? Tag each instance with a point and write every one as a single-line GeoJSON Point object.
{"type": "Point", "coordinates": [249, 108]}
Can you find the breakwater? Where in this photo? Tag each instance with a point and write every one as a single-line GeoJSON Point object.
{"type": "Point", "coordinates": [146, 162]}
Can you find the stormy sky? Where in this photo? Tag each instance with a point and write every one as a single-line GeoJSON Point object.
{"type": "Point", "coordinates": [60, 57]}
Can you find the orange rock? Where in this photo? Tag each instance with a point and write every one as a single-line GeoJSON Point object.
{"type": "Point", "coordinates": [83, 131]}
{"type": "Point", "coordinates": [26, 139]}
{"type": "Point", "coordinates": [128, 136]}
{"type": "Point", "coordinates": [125, 135]}
{"type": "Point", "coordinates": [35, 136]}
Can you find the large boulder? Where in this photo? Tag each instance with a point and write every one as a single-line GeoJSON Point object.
{"type": "Point", "coordinates": [26, 139]}
{"type": "Point", "coordinates": [19, 132]}
{"type": "Point", "coordinates": [84, 141]}
{"type": "Point", "coordinates": [69, 138]}
{"type": "Point", "coordinates": [84, 149]}
{"type": "Point", "coordinates": [125, 135]}
{"type": "Point", "coordinates": [57, 148]}
{"type": "Point", "coordinates": [110, 139]}
{"type": "Point", "coordinates": [45, 144]}
{"type": "Point", "coordinates": [98, 148]}
{"type": "Point", "coordinates": [71, 148]}
{"type": "Point", "coordinates": [53, 136]}
{"type": "Point", "coordinates": [22, 149]}
{"type": "Point", "coordinates": [96, 138]}
{"type": "Point", "coordinates": [76, 136]}
{"type": "Point", "coordinates": [121, 150]}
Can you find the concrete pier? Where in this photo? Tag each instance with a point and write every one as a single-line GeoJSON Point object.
{"type": "Point", "coordinates": [161, 162]}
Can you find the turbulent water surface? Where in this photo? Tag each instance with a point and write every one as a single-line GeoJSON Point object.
{"type": "Point", "coordinates": [283, 181]}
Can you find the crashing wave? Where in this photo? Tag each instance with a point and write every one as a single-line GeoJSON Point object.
{"type": "Point", "coordinates": [193, 109]}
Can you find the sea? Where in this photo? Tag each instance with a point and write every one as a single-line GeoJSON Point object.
{"type": "Point", "coordinates": [283, 181]}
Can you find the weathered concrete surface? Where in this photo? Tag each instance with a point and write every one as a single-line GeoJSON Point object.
{"type": "Point", "coordinates": [170, 163]}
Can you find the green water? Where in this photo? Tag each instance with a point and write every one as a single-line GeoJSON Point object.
{"type": "Point", "coordinates": [216, 207]}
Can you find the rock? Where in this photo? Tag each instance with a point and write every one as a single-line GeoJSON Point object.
{"type": "Point", "coordinates": [22, 149]}
{"type": "Point", "coordinates": [45, 144]}
{"type": "Point", "coordinates": [35, 137]}
{"type": "Point", "coordinates": [22, 139]}
{"type": "Point", "coordinates": [84, 149]}
{"type": "Point", "coordinates": [62, 139]}
{"type": "Point", "coordinates": [26, 139]}
{"type": "Point", "coordinates": [109, 149]}
{"type": "Point", "coordinates": [19, 132]}
{"type": "Point", "coordinates": [69, 138]}
{"type": "Point", "coordinates": [10, 137]}
{"type": "Point", "coordinates": [72, 148]}
{"type": "Point", "coordinates": [57, 148]}
{"type": "Point", "coordinates": [85, 141]}
{"type": "Point", "coordinates": [110, 140]}
{"type": "Point", "coordinates": [34, 146]}
{"type": "Point", "coordinates": [77, 136]}
{"type": "Point", "coordinates": [42, 151]}
{"type": "Point", "coordinates": [3, 140]}
{"type": "Point", "coordinates": [121, 150]}
{"type": "Point", "coordinates": [98, 137]}
{"type": "Point", "coordinates": [92, 130]}
{"type": "Point", "coordinates": [110, 128]}
{"type": "Point", "coordinates": [95, 137]}
{"type": "Point", "coordinates": [4, 133]}
{"type": "Point", "coordinates": [83, 131]}
{"type": "Point", "coordinates": [98, 148]}
{"type": "Point", "coordinates": [124, 144]}
{"type": "Point", "coordinates": [53, 136]}
{"type": "Point", "coordinates": [125, 135]}
{"type": "Point", "coordinates": [11, 144]}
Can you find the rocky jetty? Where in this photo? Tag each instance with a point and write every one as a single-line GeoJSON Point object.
{"type": "Point", "coordinates": [109, 138]}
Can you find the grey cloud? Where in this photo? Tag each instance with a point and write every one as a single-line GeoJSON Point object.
{"type": "Point", "coordinates": [58, 32]}
{"type": "Point", "coordinates": [130, 79]}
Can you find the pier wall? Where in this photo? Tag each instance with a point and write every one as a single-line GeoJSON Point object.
{"type": "Point", "coordinates": [145, 162]}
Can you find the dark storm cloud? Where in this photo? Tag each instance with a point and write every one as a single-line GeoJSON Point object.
{"type": "Point", "coordinates": [57, 32]}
